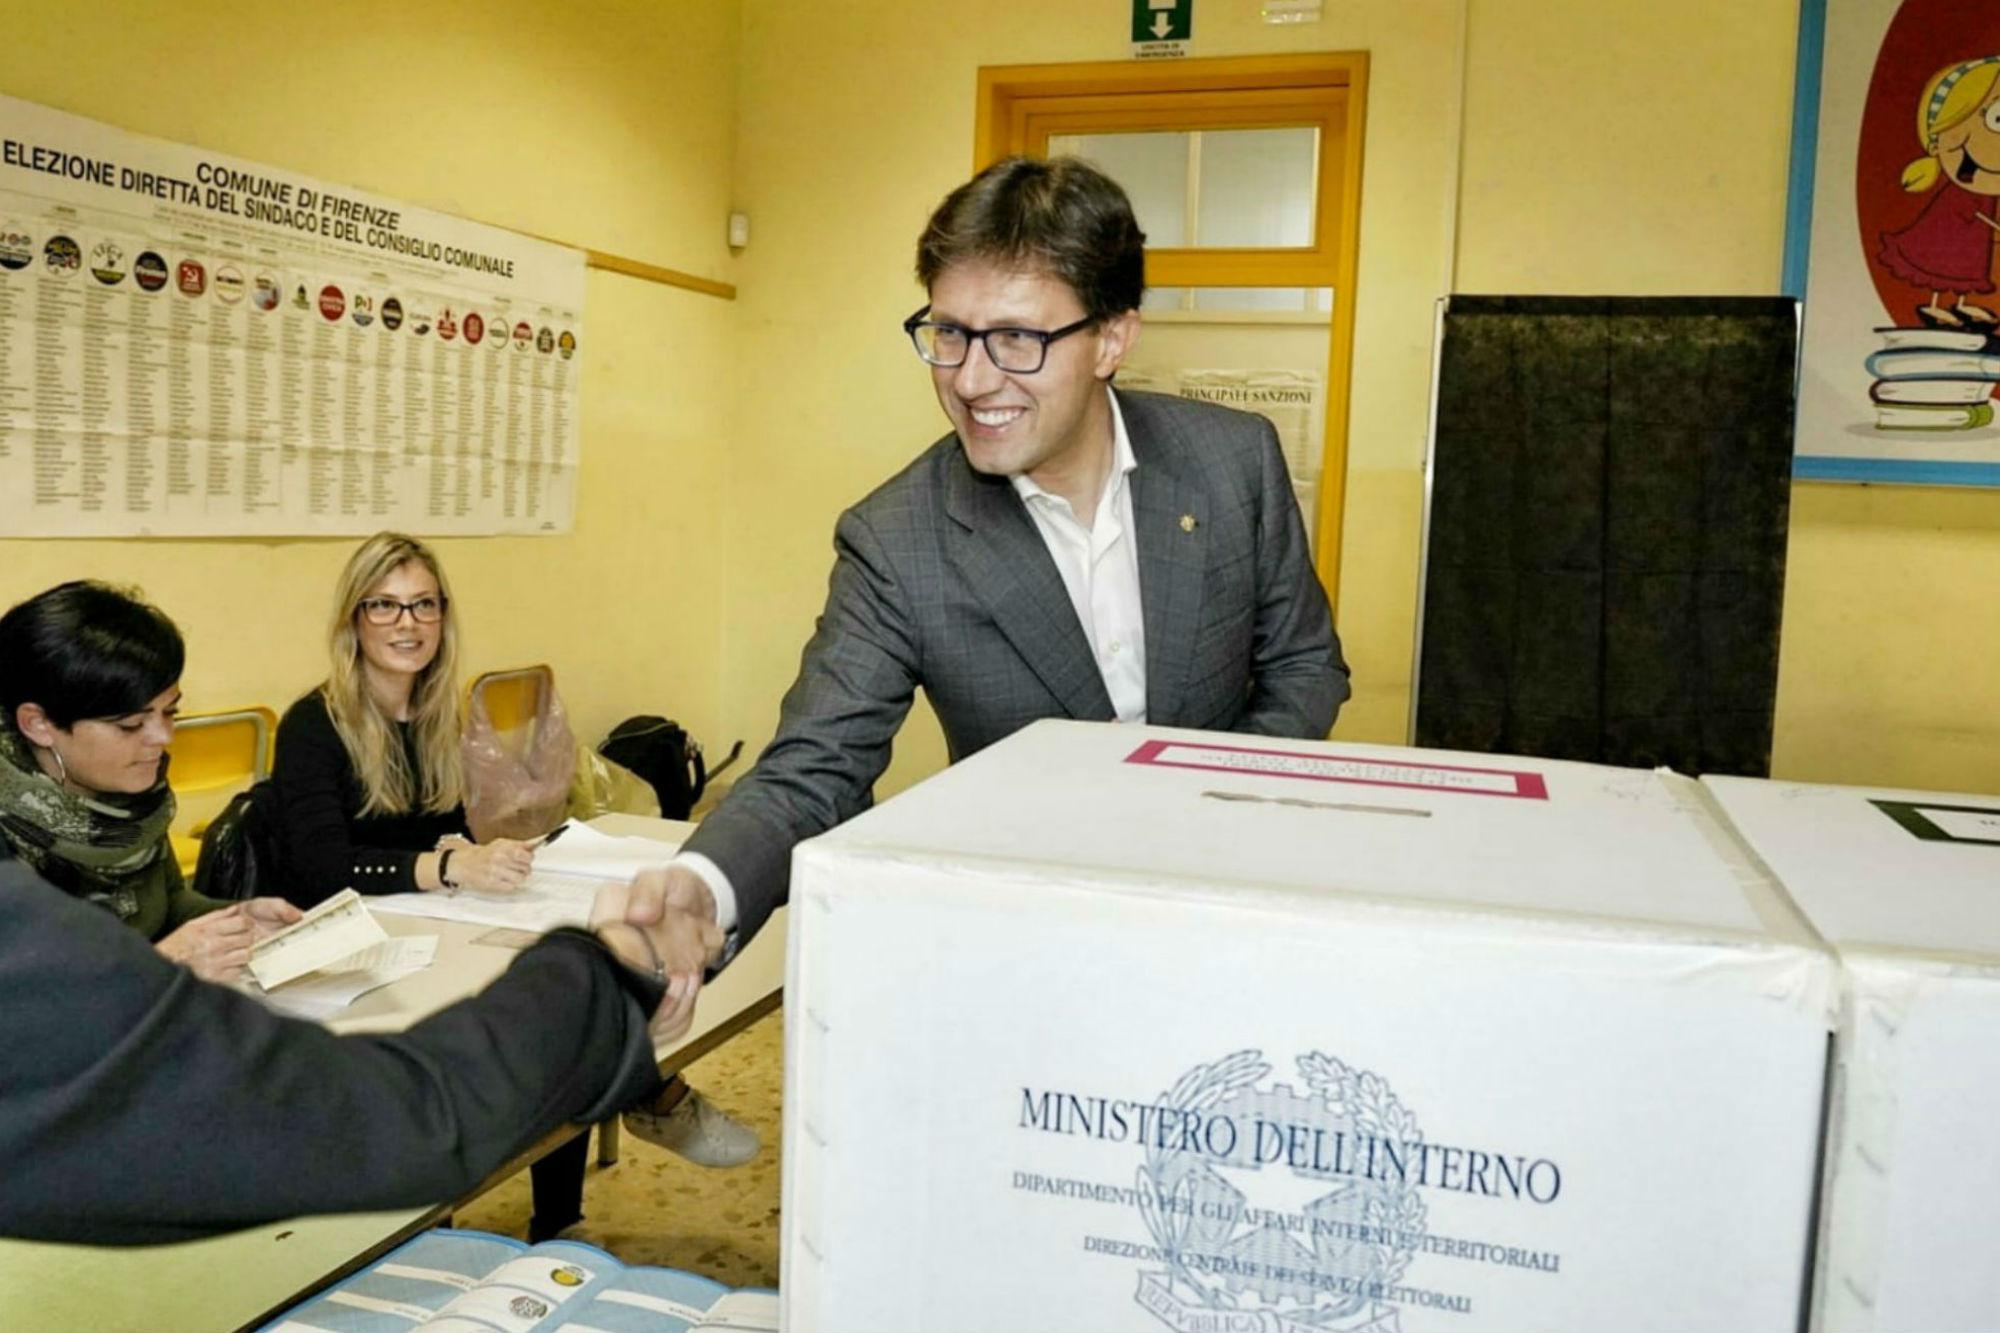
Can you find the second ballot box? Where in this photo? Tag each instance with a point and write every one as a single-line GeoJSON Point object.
{"type": "Point", "coordinates": [1132, 1029]}
{"type": "Point", "coordinates": [1905, 885]}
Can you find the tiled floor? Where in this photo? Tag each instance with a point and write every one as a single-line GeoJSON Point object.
{"type": "Point", "coordinates": [654, 1208]}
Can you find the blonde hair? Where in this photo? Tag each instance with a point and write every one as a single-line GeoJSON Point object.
{"type": "Point", "coordinates": [366, 731]}
{"type": "Point", "coordinates": [1953, 95]}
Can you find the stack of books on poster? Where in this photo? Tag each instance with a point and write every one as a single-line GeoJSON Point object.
{"type": "Point", "coordinates": [1934, 379]}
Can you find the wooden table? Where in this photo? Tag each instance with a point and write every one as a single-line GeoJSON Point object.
{"type": "Point", "coordinates": [241, 1279]}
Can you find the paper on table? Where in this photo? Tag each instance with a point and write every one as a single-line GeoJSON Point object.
{"type": "Point", "coordinates": [582, 850]}
{"type": "Point", "coordinates": [545, 902]}
{"type": "Point", "coordinates": [321, 997]}
{"type": "Point", "coordinates": [567, 875]}
{"type": "Point", "coordinates": [329, 933]}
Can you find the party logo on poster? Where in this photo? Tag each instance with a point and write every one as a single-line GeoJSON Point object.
{"type": "Point", "coordinates": [523, 335]}
{"type": "Point", "coordinates": [17, 247]}
{"type": "Point", "coordinates": [392, 314]}
{"type": "Point", "coordinates": [545, 341]}
{"type": "Point", "coordinates": [62, 256]}
{"type": "Point", "coordinates": [566, 344]}
{"type": "Point", "coordinates": [229, 285]}
{"type": "Point", "coordinates": [364, 310]}
{"type": "Point", "coordinates": [420, 321]}
{"type": "Point", "coordinates": [265, 292]}
{"type": "Point", "coordinates": [191, 277]}
{"type": "Point", "coordinates": [447, 325]}
{"type": "Point", "coordinates": [149, 270]}
{"type": "Point", "coordinates": [332, 302]}
{"type": "Point", "coordinates": [474, 328]}
{"type": "Point", "coordinates": [301, 298]}
{"type": "Point", "coordinates": [107, 262]}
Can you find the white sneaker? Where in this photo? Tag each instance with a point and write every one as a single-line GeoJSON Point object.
{"type": "Point", "coordinates": [698, 1130]}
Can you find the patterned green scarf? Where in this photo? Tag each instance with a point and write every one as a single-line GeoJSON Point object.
{"type": "Point", "coordinates": [105, 849]}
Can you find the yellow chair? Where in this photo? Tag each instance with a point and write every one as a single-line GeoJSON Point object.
{"type": "Point", "coordinates": [214, 756]}
{"type": "Point", "coordinates": [512, 699]}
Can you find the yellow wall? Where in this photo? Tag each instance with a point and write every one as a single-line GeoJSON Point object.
{"type": "Point", "coordinates": [857, 118]}
{"type": "Point", "coordinates": [1650, 158]}
{"type": "Point", "coordinates": [1631, 148]}
{"type": "Point", "coordinates": [605, 125]}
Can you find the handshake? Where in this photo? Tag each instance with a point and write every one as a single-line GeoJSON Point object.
{"type": "Point", "coordinates": [662, 924]}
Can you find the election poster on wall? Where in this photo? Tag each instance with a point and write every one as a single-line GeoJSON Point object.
{"type": "Point", "coordinates": [194, 344]}
{"type": "Point", "coordinates": [1901, 352]}
{"type": "Point", "coordinates": [1293, 401]}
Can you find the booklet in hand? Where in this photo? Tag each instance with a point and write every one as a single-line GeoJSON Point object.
{"type": "Point", "coordinates": [335, 930]}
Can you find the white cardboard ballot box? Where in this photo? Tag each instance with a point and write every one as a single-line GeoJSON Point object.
{"type": "Point", "coordinates": [1132, 1029]}
{"type": "Point", "coordinates": [1906, 886]}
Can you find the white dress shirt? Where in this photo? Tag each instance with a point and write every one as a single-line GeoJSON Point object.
{"type": "Point", "coordinates": [1099, 564]}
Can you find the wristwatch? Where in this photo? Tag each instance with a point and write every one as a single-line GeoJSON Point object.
{"type": "Point", "coordinates": [444, 870]}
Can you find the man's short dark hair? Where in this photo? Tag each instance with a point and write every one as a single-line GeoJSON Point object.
{"type": "Point", "coordinates": [86, 650]}
{"type": "Point", "coordinates": [1058, 214]}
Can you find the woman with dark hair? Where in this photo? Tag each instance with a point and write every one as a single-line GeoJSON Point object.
{"type": "Point", "coordinates": [89, 686]}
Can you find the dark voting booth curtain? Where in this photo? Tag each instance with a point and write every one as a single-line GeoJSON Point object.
{"type": "Point", "coordinates": [1606, 561]}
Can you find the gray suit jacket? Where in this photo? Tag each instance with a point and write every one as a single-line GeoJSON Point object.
{"type": "Point", "coordinates": [941, 580]}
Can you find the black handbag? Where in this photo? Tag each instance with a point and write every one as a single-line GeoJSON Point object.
{"type": "Point", "coordinates": [239, 848]}
{"type": "Point", "coordinates": [659, 750]}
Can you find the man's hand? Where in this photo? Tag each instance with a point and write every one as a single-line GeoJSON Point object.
{"type": "Point", "coordinates": [664, 922]}
{"type": "Point", "coordinates": [214, 946]}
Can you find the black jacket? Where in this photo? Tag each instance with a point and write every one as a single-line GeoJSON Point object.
{"type": "Point", "coordinates": [138, 1104]}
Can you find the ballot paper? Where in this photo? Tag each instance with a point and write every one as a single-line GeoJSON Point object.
{"type": "Point", "coordinates": [570, 867]}
{"type": "Point", "coordinates": [464, 1281]}
{"type": "Point", "coordinates": [1141, 1030]}
{"type": "Point", "coordinates": [326, 935]}
{"type": "Point", "coordinates": [322, 994]}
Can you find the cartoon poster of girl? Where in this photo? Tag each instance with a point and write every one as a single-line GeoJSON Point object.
{"type": "Point", "coordinates": [1949, 248]}
{"type": "Point", "coordinates": [1901, 359]}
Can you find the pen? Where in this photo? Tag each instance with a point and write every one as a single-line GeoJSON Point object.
{"type": "Point", "coordinates": [550, 836]}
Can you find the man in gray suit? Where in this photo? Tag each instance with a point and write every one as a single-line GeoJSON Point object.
{"type": "Point", "coordinates": [1067, 551]}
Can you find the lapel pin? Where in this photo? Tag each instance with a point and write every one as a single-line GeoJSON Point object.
{"type": "Point", "coordinates": [1188, 523]}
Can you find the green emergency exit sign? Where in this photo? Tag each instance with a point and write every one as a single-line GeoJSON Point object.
{"type": "Point", "coordinates": [1161, 27]}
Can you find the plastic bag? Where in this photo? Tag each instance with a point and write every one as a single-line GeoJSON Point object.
{"type": "Point", "coordinates": [602, 786]}
{"type": "Point", "coordinates": [517, 781]}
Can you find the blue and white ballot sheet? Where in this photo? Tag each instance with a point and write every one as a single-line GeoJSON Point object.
{"type": "Point", "coordinates": [474, 1282]}
{"type": "Point", "coordinates": [1139, 1030]}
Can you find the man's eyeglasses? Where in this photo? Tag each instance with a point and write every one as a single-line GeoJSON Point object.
{"type": "Point", "coordinates": [387, 610]}
{"type": "Point", "coordinates": [1016, 351]}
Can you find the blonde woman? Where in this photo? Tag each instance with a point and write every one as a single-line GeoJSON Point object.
{"type": "Point", "coordinates": [371, 793]}
{"type": "Point", "coordinates": [1948, 250]}
{"type": "Point", "coordinates": [371, 790]}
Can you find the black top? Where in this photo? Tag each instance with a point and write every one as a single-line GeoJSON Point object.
{"type": "Point", "coordinates": [220, 1114]}
{"type": "Point", "coordinates": [329, 845]}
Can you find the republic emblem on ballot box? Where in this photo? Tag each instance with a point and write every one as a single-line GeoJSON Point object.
{"type": "Point", "coordinates": [1238, 1259]}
